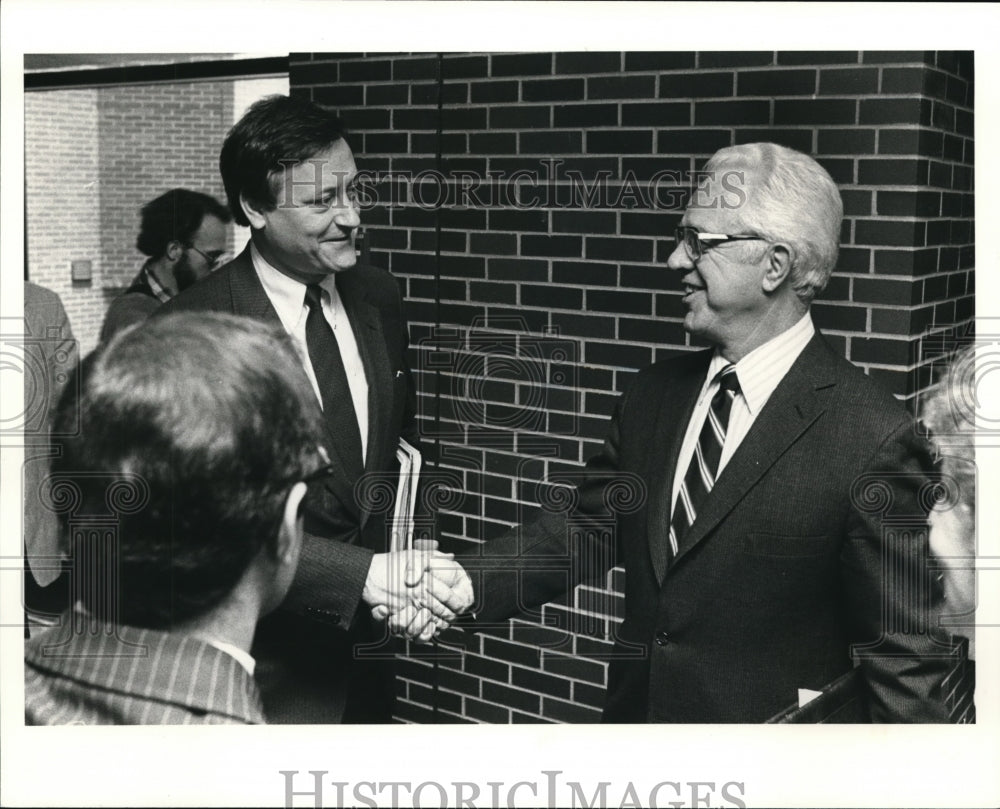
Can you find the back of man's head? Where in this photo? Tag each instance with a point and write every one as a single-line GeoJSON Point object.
{"type": "Point", "coordinates": [787, 197]}
{"type": "Point", "coordinates": [175, 217]}
{"type": "Point", "coordinates": [192, 454]}
{"type": "Point", "coordinates": [275, 133]}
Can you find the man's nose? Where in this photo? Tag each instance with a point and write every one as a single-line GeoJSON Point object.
{"type": "Point", "coordinates": [348, 217]}
{"type": "Point", "coordinates": [679, 259]}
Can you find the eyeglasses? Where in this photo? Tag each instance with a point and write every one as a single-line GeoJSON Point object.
{"type": "Point", "coordinates": [212, 258]}
{"type": "Point", "coordinates": [325, 471]}
{"type": "Point", "coordinates": [697, 243]}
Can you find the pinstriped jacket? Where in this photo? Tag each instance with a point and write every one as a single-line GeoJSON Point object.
{"type": "Point", "coordinates": [89, 673]}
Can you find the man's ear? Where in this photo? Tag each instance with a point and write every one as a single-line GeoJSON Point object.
{"type": "Point", "coordinates": [290, 533]}
{"type": "Point", "coordinates": [780, 260]}
{"type": "Point", "coordinates": [254, 212]}
{"type": "Point", "coordinates": [174, 251]}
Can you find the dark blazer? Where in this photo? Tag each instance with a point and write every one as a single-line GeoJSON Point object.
{"type": "Point", "coordinates": [345, 518]}
{"type": "Point", "coordinates": [78, 674]}
{"type": "Point", "coordinates": [813, 539]}
{"type": "Point", "coordinates": [134, 305]}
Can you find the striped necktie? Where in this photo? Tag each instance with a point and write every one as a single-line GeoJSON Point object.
{"type": "Point", "coordinates": [701, 472]}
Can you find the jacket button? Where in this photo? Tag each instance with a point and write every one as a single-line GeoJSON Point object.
{"type": "Point", "coordinates": [662, 639]}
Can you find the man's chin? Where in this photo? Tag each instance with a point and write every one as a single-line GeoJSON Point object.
{"type": "Point", "coordinates": [344, 259]}
{"type": "Point", "coordinates": [185, 278]}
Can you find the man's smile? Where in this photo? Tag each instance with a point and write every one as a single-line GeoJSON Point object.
{"type": "Point", "coordinates": [690, 287]}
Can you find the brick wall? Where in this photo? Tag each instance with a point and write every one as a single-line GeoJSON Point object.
{"type": "Point", "coordinates": [530, 312]}
{"type": "Point", "coordinates": [62, 201]}
{"type": "Point", "coordinates": [154, 138]}
{"type": "Point", "coordinates": [94, 157]}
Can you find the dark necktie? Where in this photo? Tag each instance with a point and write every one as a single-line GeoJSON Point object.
{"type": "Point", "coordinates": [328, 366]}
{"type": "Point", "coordinates": [704, 466]}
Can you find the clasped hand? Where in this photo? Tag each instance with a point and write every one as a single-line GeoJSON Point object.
{"type": "Point", "coordinates": [417, 592]}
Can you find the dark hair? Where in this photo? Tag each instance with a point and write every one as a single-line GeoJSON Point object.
{"type": "Point", "coordinates": [191, 452]}
{"type": "Point", "coordinates": [276, 132]}
{"type": "Point", "coordinates": [175, 217]}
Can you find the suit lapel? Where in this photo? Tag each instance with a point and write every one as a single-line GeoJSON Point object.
{"type": "Point", "coordinates": [250, 300]}
{"type": "Point", "coordinates": [792, 409]}
{"type": "Point", "coordinates": [676, 405]}
{"type": "Point", "coordinates": [247, 293]}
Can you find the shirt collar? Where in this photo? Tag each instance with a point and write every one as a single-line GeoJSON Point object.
{"type": "Point", "coordinates": [241, 657]}
{"type": "Point", "coordinates": [287, 295]}
{"type": "Point", "coordinates": [159, 291]}
{"type": "Point", "coordinates": [760, 371]}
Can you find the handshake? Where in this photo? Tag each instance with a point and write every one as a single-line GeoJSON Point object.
{"type": "Point", "coordinates": [418, 592]}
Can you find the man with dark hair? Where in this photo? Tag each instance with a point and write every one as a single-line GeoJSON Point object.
{"type": "Point", "coordinates": [773, 523]}
{"type": "Point", "coordinates": [184, 235]}
{"type": "Point", "coordinates": [290, 175]}
{"type": "Point", "coordinates": [194, 465]}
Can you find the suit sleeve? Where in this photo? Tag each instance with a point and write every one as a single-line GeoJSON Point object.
{"type": "Point", "coordinates": [329, 580]}
{"type": "Point", "coordinates": [534, 563]}
{"type": "Point", "coordinates": [332, 571]}
{"type": "Point", "coordinates": [893, 607]}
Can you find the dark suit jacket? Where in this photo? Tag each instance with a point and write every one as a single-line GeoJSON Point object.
{"type": "Point", "coordinates": [343, 526]}
{"type": "Point", "coordinates": [813, 539]}
{"type": "Point", "coordinates": [134, 305]}
{"type": "Point", "coordinates": [78, 674]}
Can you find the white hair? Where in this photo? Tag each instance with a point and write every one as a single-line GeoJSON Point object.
{"type": "Point", "coordinates": [789, 198]}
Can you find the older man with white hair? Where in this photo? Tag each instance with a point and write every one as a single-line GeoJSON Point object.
{"type": "Point", "coordinates": [777, 533]}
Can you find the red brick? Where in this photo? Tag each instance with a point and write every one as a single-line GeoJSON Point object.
{"type": "Point", "coordinates": [817, 57]}
{"type": "Point", "coordinates": [570, 712]}
{"type": "Point", "coordinates": [922, 142]}
{"type": "Point", "coordinates": [659, 60]}
{"type": "Point", "coordinates": [494, 91]}
{"type": "Point", "coordinates": [814, 111]}
{"type": "Point", "coordinates": [892, 172]}
{"type": "Point", "coordinates": [696, 85]}
{"type": "Point", "coordinates": [621, 141]}
{"type": "Point", "coordinates": [424, 67]}
{"type": "Point", "coordinates": [585, 115]}
{"type": "Point", "coordinates": [895, 111]}
{"type": "Point", "coordinates": [511, 697]}
{"type": "Point", "coordinates": [520, 64]}
{"type": "Point", "coordinates": [560, 90]}
{"type": "Point", "coordinates": [731, 113]}
{"type": "Point", "coordinates": [486, 712]}
{"type": "Point", "coordinates": [465, 67]}
{"type": "Point", "coordinates": [894, 232]}
{"type": "Point", "coordinates": [588, 62]}
{"type": "Point", "coordinates": [660, 114]}
{"type": "Point", "coordinates": [773, 83]}
{"type": "Point", "coordinates": [620, 87]}
{"type": "Point", "coordinates": [617, 354]}
{"type": "Point", "coordinates": [619, 249]}
{"type": "Point", "coordinates": [709, 59]}
{"type": "Point", "coordinates": [892, 57]}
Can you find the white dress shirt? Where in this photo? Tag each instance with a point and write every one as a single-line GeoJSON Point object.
{"type": "Point", "coordinates": [288, 297]}
{"type": "Point", "coordinates": [242, 657]}
{"type": "Point", "coordinates": [759, 373]}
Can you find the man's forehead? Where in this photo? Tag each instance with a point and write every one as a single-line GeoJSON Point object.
{"type": "Point", "coordinates": [719, 192]}
{"type": "Point", "coordinates": [333, 165]}
{"type": "Point", "coordinates": [211, 228]}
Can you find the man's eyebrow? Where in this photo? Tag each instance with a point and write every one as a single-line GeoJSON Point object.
{"type": "Point", "coordinates": [327, 190]}
{"type": "Point", "coordinates": [340, 181]}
